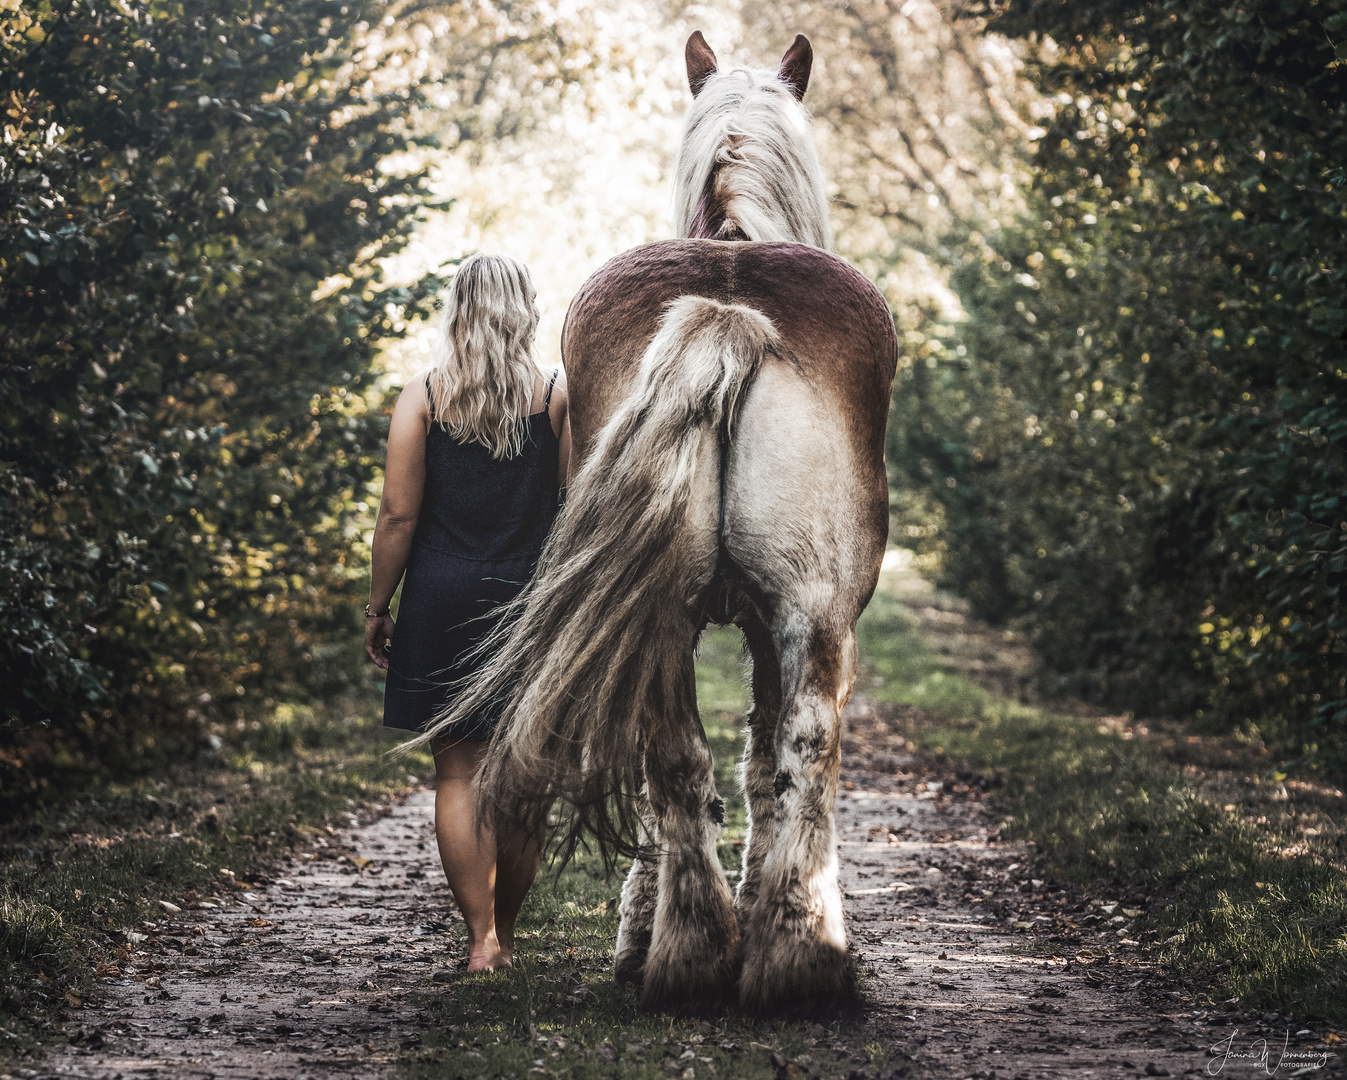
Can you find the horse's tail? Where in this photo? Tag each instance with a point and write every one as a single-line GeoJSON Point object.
{"type": "Point", "coordinates": [594, 652]}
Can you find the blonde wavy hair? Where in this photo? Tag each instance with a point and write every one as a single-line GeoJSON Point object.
{"type": "Point", "coordinates": [483, 372]}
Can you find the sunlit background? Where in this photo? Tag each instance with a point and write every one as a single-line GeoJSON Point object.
{"type": "Point", "coordinates": [919, 121]}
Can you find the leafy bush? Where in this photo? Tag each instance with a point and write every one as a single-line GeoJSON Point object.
{"type": "Point", "coordinates": [191, 205]}
{"type": "Point", "coordinates": [1137, 440]}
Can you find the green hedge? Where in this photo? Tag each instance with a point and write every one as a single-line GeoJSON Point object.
{"type": "Point", "coordinates": [190, 206]}
{"type": "Point", "coordinates": [1137, 442]}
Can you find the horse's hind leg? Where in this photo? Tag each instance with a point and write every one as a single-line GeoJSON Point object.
{"type": "Point", "coordinates": [759, 765]}
{"type": "Point", "coordinates": [640, 896]}
{"type": "Point", "coordinates": [794, 939]}
{"type": "Point", "coordinates": [806, 510]}
{"type": "Point", "coordinates": [694, 949]}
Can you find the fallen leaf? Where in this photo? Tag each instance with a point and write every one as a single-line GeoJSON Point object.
{"type": "Point", "coordinates": [942, 955]}
{"type": "Point", "coordinates": [359, 862]}
{"type": "Point", "coordinates": [1131, 912]}
{"type": "Point", "coordinates": [172, 909]}
{"type": "Point", "coordinates": [74, 999]}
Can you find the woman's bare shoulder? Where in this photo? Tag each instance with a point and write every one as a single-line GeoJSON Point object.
{"type": "Point", "coordinates": [418, 384]}
{"type": "Point", "coordinates": [414, 398]}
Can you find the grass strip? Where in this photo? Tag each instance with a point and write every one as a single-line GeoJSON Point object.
{"type": "Point", "coordinates": [558, 1012]}
{"type": "Point", "coordinates": [1253, 907]}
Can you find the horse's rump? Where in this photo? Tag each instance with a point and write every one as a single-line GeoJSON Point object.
{"type": "Point", "coordinates": [809, 470]}
{"type": "Point", "coordinates": [835, 328]}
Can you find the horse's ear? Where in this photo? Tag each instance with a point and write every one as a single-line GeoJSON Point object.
{"type": "Point", "coordinates": [701, 62]}
{"type": "Point", "coordinates": [795, 66]}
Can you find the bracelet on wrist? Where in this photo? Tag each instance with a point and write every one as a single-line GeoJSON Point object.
{"type": "Point", "coordinates": [377, 614]}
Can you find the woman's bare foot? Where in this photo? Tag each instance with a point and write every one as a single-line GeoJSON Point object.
{"type": "Point", "coordinates": [487, 955]}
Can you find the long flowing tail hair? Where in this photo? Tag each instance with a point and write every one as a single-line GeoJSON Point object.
{"type": "Point", "coordinates": [582, 661]}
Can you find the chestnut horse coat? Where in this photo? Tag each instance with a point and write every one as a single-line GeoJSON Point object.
{"type": "Point", "coordinates": [839, 328]}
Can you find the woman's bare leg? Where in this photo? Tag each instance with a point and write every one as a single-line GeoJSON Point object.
{"type": "Point", "coordinates": [468, 855]}
{"type": "Point", "coordinates": [489, 875]}
{"type": "Point", "coordinates": [517, 856]}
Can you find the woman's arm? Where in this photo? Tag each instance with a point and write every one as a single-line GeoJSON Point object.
{"type": "Point", "coordinates": [404, 486]}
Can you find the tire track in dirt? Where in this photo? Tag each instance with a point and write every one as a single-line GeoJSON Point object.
{"type": "Point", "coordinates": [974, 967]}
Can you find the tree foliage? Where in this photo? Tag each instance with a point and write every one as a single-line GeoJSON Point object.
{"type": "Point", "coordinates": [192, 206]}
{"type": "Point", "coordinates": [1138, 439]}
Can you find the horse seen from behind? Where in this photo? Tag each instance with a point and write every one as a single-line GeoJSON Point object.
{"type": "Point", "coordinates": [729, 392]}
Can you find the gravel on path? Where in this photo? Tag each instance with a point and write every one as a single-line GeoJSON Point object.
{"type": "Point", "coordinates": [984, 971]}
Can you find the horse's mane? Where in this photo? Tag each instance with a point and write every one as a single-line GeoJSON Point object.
{"type": "Point", "coordinates": [746, 147]}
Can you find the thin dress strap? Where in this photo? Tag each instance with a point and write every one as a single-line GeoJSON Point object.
{"type": "Point", "coordinates": [430, 398]}
{"type": "Point", "coordinates": [547, 398]}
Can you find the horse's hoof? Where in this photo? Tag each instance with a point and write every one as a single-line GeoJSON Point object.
{"type": "Point", "coordinates": [789, 974]}
{"type": "Point", "coordinates": [693, 985]}
{"type": "Point", "coordinates": [630, 971]}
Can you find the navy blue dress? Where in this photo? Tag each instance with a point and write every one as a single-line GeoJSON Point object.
{"type": "Point", "coordinates": [482, 526]}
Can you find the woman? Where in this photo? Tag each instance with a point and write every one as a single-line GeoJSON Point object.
{"type": "Point", "coordinates": [477, 453]}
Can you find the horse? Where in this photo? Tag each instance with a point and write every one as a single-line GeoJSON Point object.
{"type": "Point", "coordinates": [729, 391]}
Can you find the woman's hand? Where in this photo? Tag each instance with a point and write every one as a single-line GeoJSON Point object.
{"type": "Point", "coordinates": [378, 630]}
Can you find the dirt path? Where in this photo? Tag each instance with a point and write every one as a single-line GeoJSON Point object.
{"type": "Point", "coordinates": [989, 971]}
{"type": "Point", "coordinates": [977, 970]}
{"type": "Point", "coordinates": [299, 978]}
